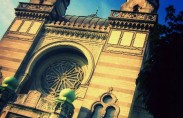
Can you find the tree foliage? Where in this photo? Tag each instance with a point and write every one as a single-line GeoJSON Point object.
{"type": "Point", "coordinates": [161, 79]}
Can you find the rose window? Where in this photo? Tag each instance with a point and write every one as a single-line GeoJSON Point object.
{"type": "Point", "coordinates": [62, 74]}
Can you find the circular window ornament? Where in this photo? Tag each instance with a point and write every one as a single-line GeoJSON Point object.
{"type": "Point", "coordinates": [62, 74]}
{"type": "Point", "coordinates": [59, 72]}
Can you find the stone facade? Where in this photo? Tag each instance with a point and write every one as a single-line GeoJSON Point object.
{"type": "Point", "coordinates": [98, 58]}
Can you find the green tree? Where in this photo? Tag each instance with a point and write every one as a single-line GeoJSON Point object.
{"type": "Point", "coordinates": [161, 79]}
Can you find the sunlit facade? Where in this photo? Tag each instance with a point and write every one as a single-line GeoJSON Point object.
{"type": "Point", "coordinates": [74, 66]}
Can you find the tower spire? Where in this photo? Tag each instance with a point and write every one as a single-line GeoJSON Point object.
{"type": "Point", "coordinates": [97, 10]}
{"type": "Point", "coordinates": [94, 15]}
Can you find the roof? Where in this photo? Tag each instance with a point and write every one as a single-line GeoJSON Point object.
{"type": "Point", "coordinates": [91, 22]}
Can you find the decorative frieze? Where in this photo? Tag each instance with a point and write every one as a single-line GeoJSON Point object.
{"type": "Point", "coordinates": [35, 11]}
{"type": "Point", "coordinates": [133, 16]}
{"type": "Point", "coordinates": [32, 15]}
{"type": "Point", "coordinates": [76, 33]}
{"type": "Point", "coordinates": [19, 36]}
{"type": "Point", "coordinates": [35, 7]}
{"type": "Point", "coordinates": [131, 25]}
{"type": "Point", "coordinates": [45, 105]}
{"type": "Point", "coordinates": [79, 26]}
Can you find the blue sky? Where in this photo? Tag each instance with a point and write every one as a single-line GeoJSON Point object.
{"type": "Point", "coordinates": [81, 8]}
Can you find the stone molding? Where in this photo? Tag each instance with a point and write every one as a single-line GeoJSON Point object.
{"type": "Point", "coordinates": [132, 20]}
{"type": "Point", "coordinates": [19, 36]}
{"type": "Point", "coordinates": [106, 105]}
{"type": "Point", "coordinates": [131, 25]}
{"type": "Point", "coordinates": [35, 7]}
{"type": "Point", "coordinates": [133, 16]}
{"type": "Point", "coordinates": [76, 33]}
{"type": "Point", "coordinates": [79, 26]}
{"type": "Point", "coordinates": [35, 11]}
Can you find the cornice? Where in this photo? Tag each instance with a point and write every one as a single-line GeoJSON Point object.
{"type": "Point", "coordinates": [133, 16]}
{"type": "Point", "coordinates": [131, 25]}
{"type": "Point", "coordinates": [76, 33]}
{"type": "Point", "coordinates": [132, 20]}
{"type": "Point", "coordinates": [34, 11]}
{"type": "Point", "coordinates": [78, 26]}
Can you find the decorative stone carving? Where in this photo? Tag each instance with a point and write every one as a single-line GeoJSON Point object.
{"type": "Point", "coordinates": [132, 20]}
{"type": "Point", "coordinates": [35, 11]}
{"type": "Point", "coordinates": [35, 7]}
{"type": "Point", "coordinates": [107, 100]}
{"type": "Point", "coordinates": [131, 25]}
{"type": "Point", "coordinates": [32, 98]}
{"type": "Point", "coordinates": [86, 26]}
{"type": "Point", "coordinates": [133, 15]}
{"type": "Point", "coordinates": [61, 75]}
{"type": "Point", "coordinates": [148, 6]}
{"type": "Point", "coordinates": [77, 34]}
{"type": "Point", "coordinates": [46, 105]}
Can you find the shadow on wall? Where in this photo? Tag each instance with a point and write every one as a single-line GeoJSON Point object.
{"type": "Point", "coordinates": [84, 113]}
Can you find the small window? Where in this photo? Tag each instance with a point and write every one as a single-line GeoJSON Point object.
{"type": "Point", "coordinates": [106, 107]}
{"type": "Point", "coordinates": [139, 40]}
{"type": "Point", "coordinates": [127, 38]}
{"type": "Point", "coordinates": [136, 8]}
{"type": "Point", "coordinates": [34, 28]}
{"type": "Point", "coordinates": [25, 26]}
{"type": "Point", "coordinates": [97, 111]}
{"type": "Point", "coordinates": [16, 25]}
{"type": "Point", "coordinates": [110, 113]}
{"type": "Point", "coordinates": [114, 38]}
{"type": "Point", "coordinates": [107, 99]}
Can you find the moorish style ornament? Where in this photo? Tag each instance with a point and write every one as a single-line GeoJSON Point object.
{"type": "Point", "coordinates": [61, 75]}
{"type": "Point", "coordinates": [105, 107]}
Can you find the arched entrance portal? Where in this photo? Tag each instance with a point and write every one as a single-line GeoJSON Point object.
{"type": "Point", "coordinates": [58, 67]}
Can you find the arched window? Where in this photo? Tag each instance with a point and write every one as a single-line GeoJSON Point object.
{"type": "Point", "coordinates": [107, 99]}
{"type": "Point", "coordinates": [106, 107]}
{"type": "Point", "coordinates": [97, 111]}
{"type": "Point", "coordinates": [136, 8]}
{"type": "Point", "coordinates": [110, 112]}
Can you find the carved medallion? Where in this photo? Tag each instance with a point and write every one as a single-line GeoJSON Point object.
{"type": "Point", "coordinates": [60, 75]}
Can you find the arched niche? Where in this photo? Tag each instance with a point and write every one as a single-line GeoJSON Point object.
{"type": "Point", "coordinates": [109, 107]}
{"type": "Point", "coordinates": [54, 56]}
{"type": "Point", "coordinates": [97, 111]}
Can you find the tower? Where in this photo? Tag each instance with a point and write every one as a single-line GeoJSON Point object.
{"type": "Point", "coordinates": [48, 52]}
